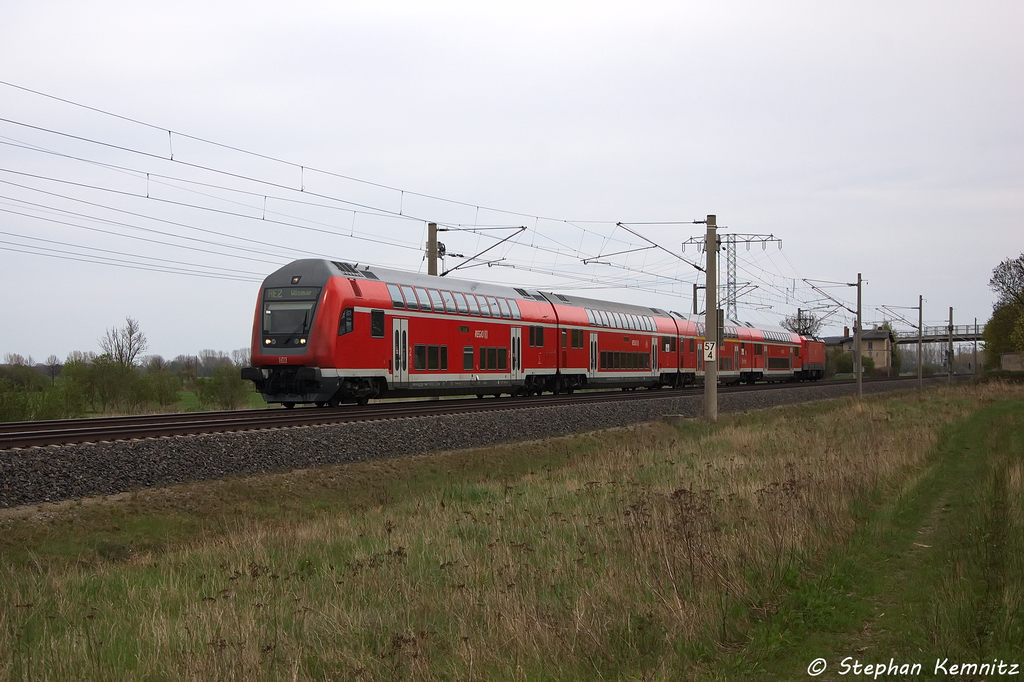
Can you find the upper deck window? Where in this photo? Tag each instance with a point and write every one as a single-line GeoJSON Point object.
{"type": "Point", "coordinates": [474, 306]}
{"type": "Point", "coordinates": [396, 296]}
{"type": "Point", "coordinates": [410, 298]}
{"type": "Point", "coordinates": [435, 298]}
{"type": "Point", "coordinates": [461, 304]}
{"type": "Point", "coordinates": [515, 309]}
{"type": "Point", "coordinates": [503, 307]}
{"type": "Point", "coordinates": [449, 301]}
{"type": "Point", "coordinates": [424, 299]}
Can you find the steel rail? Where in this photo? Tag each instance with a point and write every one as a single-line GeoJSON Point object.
{"type": "Point", "coordinates": [71, 431]}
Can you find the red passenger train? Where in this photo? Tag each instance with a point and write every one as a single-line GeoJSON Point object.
{"type": "Point", "coordinates": [327, 332]}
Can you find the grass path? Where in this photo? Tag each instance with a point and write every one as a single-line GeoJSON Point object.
{"type": "Point", "coordinates": [935, 578]}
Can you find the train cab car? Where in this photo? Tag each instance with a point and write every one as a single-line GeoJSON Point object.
{"type": "Point", "coordinates": [327, 332]}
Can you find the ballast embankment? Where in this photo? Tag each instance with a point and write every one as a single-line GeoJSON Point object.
{"type": "Point", "coordinates": [51, 474]}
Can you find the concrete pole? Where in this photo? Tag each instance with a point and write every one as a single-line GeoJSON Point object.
{"type": "Point", "coordinates": [949, 377]}
{"type": "Point", "coordinates": [857, 368]}
{"type": "Point", "coordinates": [920, 331]}
{"type": "Point", "coordinates": [432, 249]}
{"type": "Point", "coordinates": [711, 322]}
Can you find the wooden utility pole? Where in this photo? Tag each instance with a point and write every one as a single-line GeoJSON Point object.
{"type": "Point", "coordinates": [858, 369]}
{"type": "Point", "coordinates": [432, 249]}
{"type": "Point", "coordinates": [711, 339]}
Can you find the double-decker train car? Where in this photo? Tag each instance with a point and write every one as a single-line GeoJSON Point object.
{"type": "Point", "coordinates": [328, 332]}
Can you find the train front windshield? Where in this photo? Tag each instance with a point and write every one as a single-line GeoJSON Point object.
{"type": "Point", "coordinates": [287, 317]}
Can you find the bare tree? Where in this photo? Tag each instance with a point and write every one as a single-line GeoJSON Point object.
{"type": "Point", "coordinates": [803, 323]}
{"type": "Point", "coordinates": [84, 358]}
{"type": "Point", "coordinates": [124, 345]}
{"type": "Point", "coordinates": [17, 360]}
{"type": "Point", "coordinates": [241, 356]}
{"type": "Point", "coordinates": [1008, 281]}
{"type": "Point", "coordinates": [53, 368]}
{"type": "Point", "coordinates": [155, 363]}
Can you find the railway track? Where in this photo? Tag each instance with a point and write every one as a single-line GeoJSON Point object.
{"type": "Point", "coordinates": [69, 431]}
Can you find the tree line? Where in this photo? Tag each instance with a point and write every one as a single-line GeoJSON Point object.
{"type": "Point", "coordinates": [120, 379]}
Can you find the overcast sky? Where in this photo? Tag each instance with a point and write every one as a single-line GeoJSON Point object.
{"type": "Point", "coordinates": [874, 137]}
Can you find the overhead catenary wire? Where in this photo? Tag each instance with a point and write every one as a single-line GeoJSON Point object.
{"type": "Point", "coordinates": [654, 273]}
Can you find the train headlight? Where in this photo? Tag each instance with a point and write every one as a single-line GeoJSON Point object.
{"type": "Point", "coordinates": [269, 342]}
{"type": "Point", "coordinates": [302, 342]}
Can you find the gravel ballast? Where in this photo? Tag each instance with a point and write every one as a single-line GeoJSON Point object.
{"type": "Point", "coordinates": [51, 474]}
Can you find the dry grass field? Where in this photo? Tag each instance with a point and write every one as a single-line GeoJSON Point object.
{"type": "Point", "coordinates": [725, 551]}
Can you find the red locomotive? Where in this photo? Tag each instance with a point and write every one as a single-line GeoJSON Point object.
{"type": "Point", "coordinates": [326, 332]}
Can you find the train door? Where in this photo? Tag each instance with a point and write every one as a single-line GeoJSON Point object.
{"type": "Point", "coordinates": [654, 356]}
{"type": "Point", "coordinates": [517, 355]}
{"type": "Point", "coordinates": [400, 371]}
{"type": "Point", "coordinates": [593, 354]}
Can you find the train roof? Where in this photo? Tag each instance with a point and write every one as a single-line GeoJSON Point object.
{"type": "Point", "coordinates": [388, 275]}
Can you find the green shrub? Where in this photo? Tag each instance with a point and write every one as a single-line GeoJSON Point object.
{"type": "Point", "coordinates": [225, 389]}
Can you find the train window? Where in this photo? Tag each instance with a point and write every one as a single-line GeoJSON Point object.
{"type": "Point", "coordinates": [449, 301]}
{"type": "Point", "coordinates": [492, 358]}
{"type": "Point", "coordinates": [419, 357]}
{"type": "Point", "coordinates": [467, 358]}
{"type": "Point", "coordinates": [758, 349]}
{"type": "Point", "coordinates": [483, 358]}
{"type": "Point", "coordinates": [396, 296]}
{"type": "Point", "coordinates": [537, 337]}
{"type": "Point", "coordinates": [577, 338]}
{"type": "Point", "coordinates": [494, 306]}
{"type": "Point", "coordinates": [410, 298]}
{"type": "Point", "coordinates": [460, 303]}
{"type": "Point", "coordinates": [691, 345]}
{"type": "Point", "coordinates": [514, 307]}
{"type": "Point", "coordinates": [502, 358]}
{"type": "Point", "coordinates": [377, 324]}
{"type": "Point", "coordinates": [604, 359]}
{"type": "Point", "coordinates": [590, 315]}
{"type": "Point", "coordinates": [485, 310]}
{"type": "Point", "coordinates": [435, 298]}
{"type": "Point", "coordinates": [619, 321]}
{"type": "Point", "coordinates": [432, 357]}
{"type": "Point", "coordinates": [345, 325]}
{"type": "Point", "coordinates": [474, 307]}
{"type": "Point", "coordinates": [503, 307]}
{"type": "Point", "coordinates": [606, 318]}
{"type": "Point", "coordinates": [565, 338]}
{"type": "Point", "coordinates": [424, 298]}
{"type": "Point", "coordinates": [634, 322]}
{"type": "Point", "coordinates": [444, 358]}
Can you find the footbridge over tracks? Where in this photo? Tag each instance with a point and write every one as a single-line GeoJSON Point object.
{"type": "Point", "coordinates": [960, 332]}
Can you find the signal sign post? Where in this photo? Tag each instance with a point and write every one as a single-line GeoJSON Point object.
{"type": "Point", "coordinates": [711, 323]}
